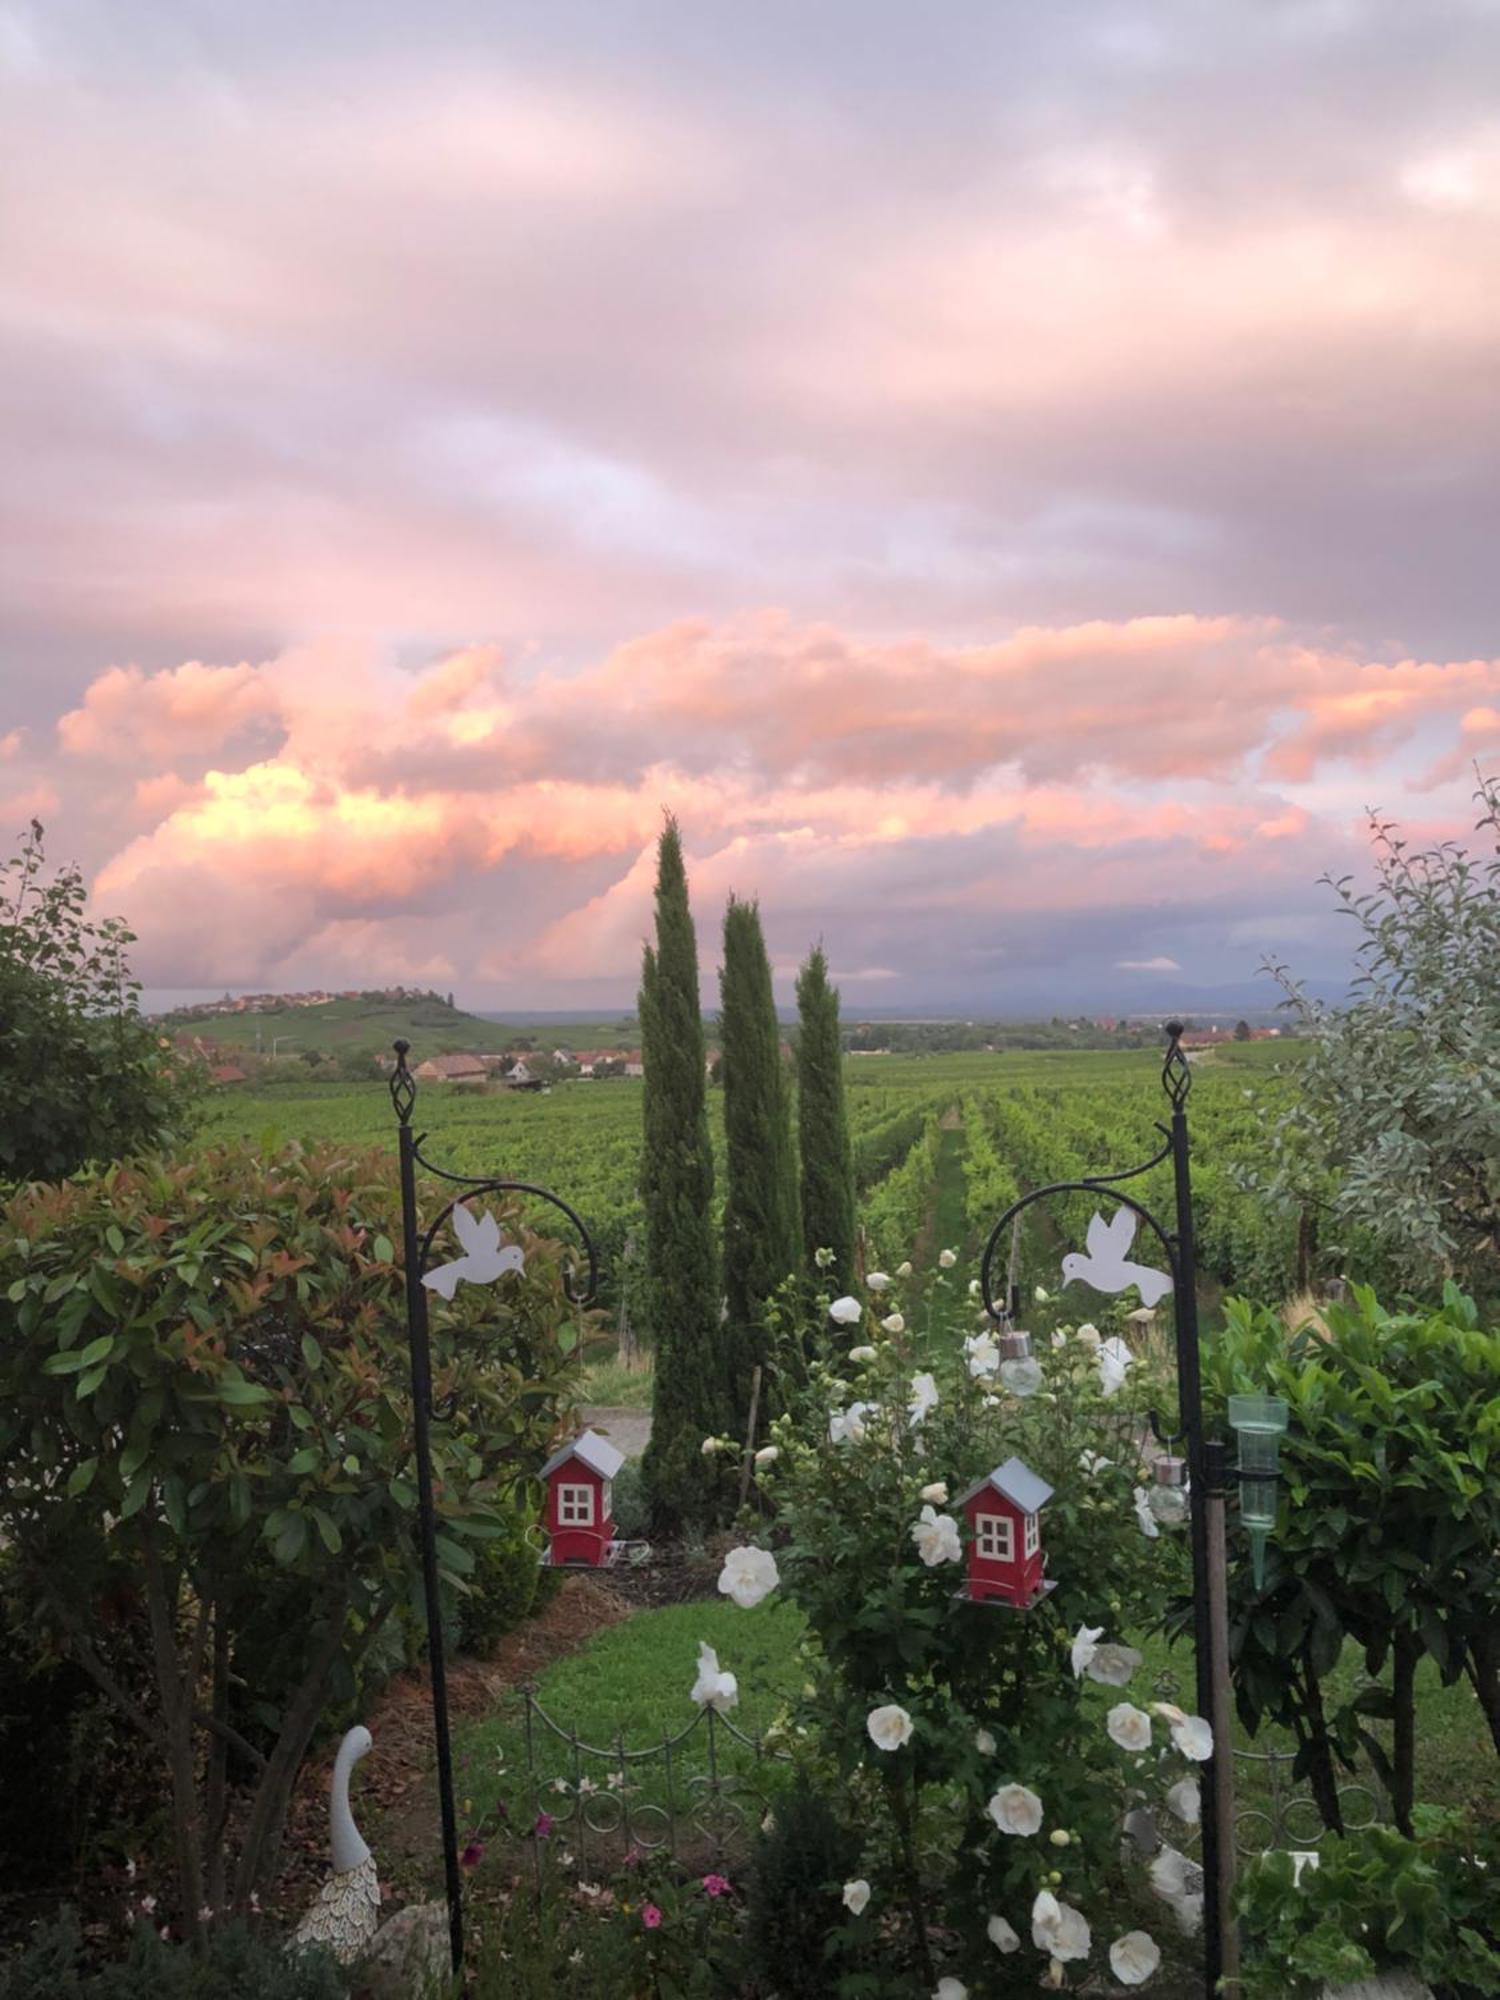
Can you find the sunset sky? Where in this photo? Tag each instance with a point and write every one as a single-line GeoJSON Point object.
{"type": "Point", "coordinates": [1018, 480]}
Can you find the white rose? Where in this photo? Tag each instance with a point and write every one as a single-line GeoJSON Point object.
{"type": "Point", "coordinates": [893, 1323]}
{"type": "Point", "coordinates": [1040, 1295]}
{"type": "Point", "coordinates": [889, 1727]}
{"type": "Point", "coordinates": [713, 1688]}
{"type": "Point", "coordinates": [856, 1895]}
{"type": "Point", "coordinates": [1085, 1647]}
{"type": "Point", "coordinates": [1093, 1462]}
{"type": "Point", "coordinates": [1185, 1800]}
{"type": "Point", "coordinates": [1129, 1727]}
{"type": "Point", "coordinates": [1016, 1810]}
{"type": "Point", "coordinates": [710, 1446]}
{"type": "Point", "coordinates": [1112, 1666]}
{"type": "Point", "coordinates": [768, 1454]}
{"type": "Point", "coordinates": [861, 1354]}
{"type": "Point", "coordinates": [949, 1988]}
{"type": "Point", "coordinates": [877, 1281]}
{"type": "Point", "coordinates": [1059, 1338]}
{"type": "Point", "coordinates": [1133, 1958]}
{"type": "Point", "coordinates": [1115, 1359]}
{"type": "Point", "coordinates": [924, 1396]}
{"type": "Point", "coordinates": [973, 1288]}
{"type": "Point", "coordinates": [849, 1423]}
{"type": "Point", "coordinates": [1190, 1733]}
{"type": "Point", "coordinates": [1144, 1514]}
{"type": "Point", "coordinates": [947, 1259]}
{"type": "Point", "coordinates": [937, 1493]}
{"type": "Point", "coordinates": [984, 1743]}
{"type": "Point", "coordinates": [1001, 1935]}
{"type": "Point", "coordinates": [903, 1270]}
{"type": "Point", "coordinates": [1179, 1883]}
{"type": "Point", "coordinates": [846, 1311]}
{"type": "Point", "coordinates": [984, 1355]}
{"type": "Point", "coordinates": [748, 1575]}
{"type": "Point", "coordinates": [936, 1537]}
{"type": "Point", "coordinates": [1058, 1928]}
{"type": "Point", "coordinates": [1088, 1333]}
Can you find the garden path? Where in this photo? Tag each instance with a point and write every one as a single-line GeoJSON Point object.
{"type": "Point", "coordinates": [627, 1430]}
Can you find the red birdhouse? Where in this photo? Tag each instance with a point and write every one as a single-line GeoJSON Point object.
{"type": "Point", "coordinates": [1006, 1563]}
{"type": "Point", "coordinates": [580, 1524]}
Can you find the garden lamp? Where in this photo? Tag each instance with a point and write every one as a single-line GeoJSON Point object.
{"type": "Point", "coordinates": [1258, 1423]}
{"type": "Point", "coordinates": [1168, 1498]}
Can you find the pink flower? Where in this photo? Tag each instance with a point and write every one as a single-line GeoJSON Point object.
{"type": "Point", "coordinates": [650, 1916]}
{"type": "Point", "coordinates": [472, 1855]}
{"type": "Point", "coordinates": [543, 1827]}
{"type": "Point", "coordinates": [716, 1885]}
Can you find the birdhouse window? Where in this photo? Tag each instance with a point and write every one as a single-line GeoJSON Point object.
{"type": "Point", "coordinates": [575, 1506]}
{"type": "Point", "coordinates": [996, 1536]}
{"type": "Point", "coordinates": [1033, 1535]}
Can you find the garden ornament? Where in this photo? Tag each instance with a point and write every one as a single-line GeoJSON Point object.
{"type": "Point", "coordinates": [347, 1912]}
{"type": "Point", "coordinates": [484, 1258]}
{"type": "Point", "coordinates": [1106, 1266]}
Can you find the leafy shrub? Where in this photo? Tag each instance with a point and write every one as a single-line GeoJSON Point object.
{"type": "Point", "coordinates": [1389, 1530]}
{"type": "Point", "coordinates": [631, 1507]}
{"type": "Point", "coordinates": [1377, 1902]}
{"type": "Point", "coordinates": [796, 1893]}
{"type": "Point", "coordinates": [502, 1589]}
{"type": "Point", "coordinates": [233, 1965]}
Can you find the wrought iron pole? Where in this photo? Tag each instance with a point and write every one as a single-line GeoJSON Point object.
{"type": "Point", "coordinates": [1177, 1080]}
{"type": "Point", "coordinates": [403, 1096]}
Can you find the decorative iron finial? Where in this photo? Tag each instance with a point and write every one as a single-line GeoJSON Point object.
{"type": "Point", "coordinates": [1176, 1073]}
{"type": "Point", "coordinates": [403, 1083]}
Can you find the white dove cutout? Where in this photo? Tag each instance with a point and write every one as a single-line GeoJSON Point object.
{"type": "Point", "coordinates": [1107, 1267]}
{"type": "Point", "coordinates": [484, 1258]}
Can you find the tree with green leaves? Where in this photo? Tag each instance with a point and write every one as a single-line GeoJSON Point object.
{"type": "Point", "coordinates": [690, 1392]}
{"type": "Point", "coordinates": [762, 1228]}
{"type": "Point", "coordinates": [206, 1424]}
{"type": "Point", "coordinates": [83, 1078]}
{"type": "Point", "coordinates": [823, 1124]}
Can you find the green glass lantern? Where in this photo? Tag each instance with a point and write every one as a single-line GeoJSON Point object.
{"type": "Point", "coordinates": [1258, 1423]}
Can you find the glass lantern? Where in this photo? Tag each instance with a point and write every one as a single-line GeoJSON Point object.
{"type": "Point", "coordinates": [1258, 1423]}
{"type": "Point", "coordinates": [1168, 1498]}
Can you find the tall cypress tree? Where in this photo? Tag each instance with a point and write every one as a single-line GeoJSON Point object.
{"type": "Point", "coordinates": [690, 1394]}
{"type": "Point", "coordinates": [823, 1125]}
{"type": "Point", "coordinates": [762, 1228]}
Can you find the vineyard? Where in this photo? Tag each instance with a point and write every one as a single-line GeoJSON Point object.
{"type": "Point", "coordinates": [941, 1145]}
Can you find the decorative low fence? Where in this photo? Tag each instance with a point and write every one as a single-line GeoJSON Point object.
{"type": "Point", "coordinates": [700, 1794]}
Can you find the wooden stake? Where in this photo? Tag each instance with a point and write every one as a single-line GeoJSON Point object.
{"type": "Point", "coordinates": [750, 1436]}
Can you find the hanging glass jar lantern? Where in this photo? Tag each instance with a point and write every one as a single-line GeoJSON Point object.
{"type": "Point", "coordinates": [1168, 1498]}
{"type": "Point", "coordinates": [1014, 1345]}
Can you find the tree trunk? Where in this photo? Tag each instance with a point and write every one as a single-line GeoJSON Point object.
{"type": "Point", "coordinates": [216, 1803]}
{"type": "Point", "coordinates": [1307, 1247]}
{"type": "Point", "coordinates": [1312, 1732]}
{"type": "Point", "coordinates": [1404, 1758]}
{"type": "Point", "coordinates": [1482, 1665]}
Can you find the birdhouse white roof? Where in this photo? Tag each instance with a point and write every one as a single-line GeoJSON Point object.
{"type": "Point", "coordinates": [1017, 1483]}
{"type": "Point", "coordinates": [596, 1452]}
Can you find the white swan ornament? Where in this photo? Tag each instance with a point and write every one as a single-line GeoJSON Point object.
{"type": "Point", "coordinates": [347, 1913]}
{"type": "Point", "coordinates": [484, 1258]}
{"type": "Point", "coordinates": [1107, 1267]}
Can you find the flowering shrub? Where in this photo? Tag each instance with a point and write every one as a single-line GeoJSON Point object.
{"type": "Point", "coordinates": [985, 1752]}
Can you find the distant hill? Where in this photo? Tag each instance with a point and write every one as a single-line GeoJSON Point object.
{"type": "Point", "coordinates": [365, 1024]}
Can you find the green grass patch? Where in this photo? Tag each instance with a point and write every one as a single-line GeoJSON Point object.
{"type": "Point", "coordinates": [609, 1384]}
{"type": "Point", "coordinates": [631, 1688]}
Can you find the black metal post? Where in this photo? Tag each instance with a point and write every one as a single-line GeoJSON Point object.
{"type": "Point", "coordinates": [421, 1391]}
{"type": "Point", "coordinates": [1177, 1079]}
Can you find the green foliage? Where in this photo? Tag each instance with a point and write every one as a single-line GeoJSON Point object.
{"type": "Point", "coordinates": [502, 1590]}
{"type": "Point", "coordinates": [632, 1513]}
{"type": "Point", "coordinates": [1389, 1527]}
{"type": "Point", "coordinates": [203, 1378]}
{"type": "Point", "coordinates": [1377, 1902]}
{"type": "Point", "coordinates": [796, 1915]}
{"type": "Point", "coordinates": [762, 1232]}
{"type": "Point", "coordinates": [691, 1393]}
{"type": "Point", "coordinates": [1396, 1128]}
{"type": "Point", "coordinates": [232, 1965]}
{"type": "Point", "coordinates": [823, 1124]}
{"type": "Point", "coordinates": [83, 1078]}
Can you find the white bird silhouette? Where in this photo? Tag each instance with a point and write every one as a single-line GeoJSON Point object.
{"type": "Point", "coordinates": [347, 1912]}
{"type": "Point", "coordinates": [483, 1260]}
{"type": "Point", "coordinates": [1106, 1267]}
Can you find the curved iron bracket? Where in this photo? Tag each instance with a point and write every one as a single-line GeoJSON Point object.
{"type": "Point", "coordinates": [1001, 1314]}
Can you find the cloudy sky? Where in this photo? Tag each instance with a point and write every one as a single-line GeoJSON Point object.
{"type": "Point", "coordinates": [1018, 480]}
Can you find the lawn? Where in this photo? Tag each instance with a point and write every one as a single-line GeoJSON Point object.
{"type": "Point", "coordinates": [617, 1701]}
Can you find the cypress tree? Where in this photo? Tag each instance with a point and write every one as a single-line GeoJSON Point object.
{"type": "Point", "coordinates": [823, 1125]}
{"type": "Point", "coordinates": [689, 1398]}
{"type": "Point", "coordinates": [762, 1230]}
